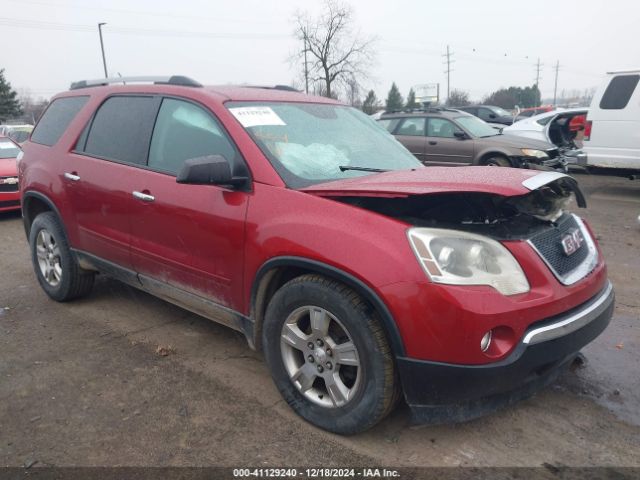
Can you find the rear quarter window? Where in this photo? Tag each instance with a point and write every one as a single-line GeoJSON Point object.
{"type": "Point", "coordinates": [619, 91]}
{"type": "Point", "coordinates": [56, 119]}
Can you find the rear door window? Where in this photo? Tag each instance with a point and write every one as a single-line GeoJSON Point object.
{"type": "Point", "coordinates": [183, 131]}
{"type": "Point", "coordinates": [56, 119]}
{"type": "Point", "coordinates": [619, 91]}
{"type": "Point", "coordinates": [121, 129]}
{"type": "Point", "coordinates": [412, 127]}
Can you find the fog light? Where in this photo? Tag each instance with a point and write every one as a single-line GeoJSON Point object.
{"type": "Point", "coordinates": [486, 341]}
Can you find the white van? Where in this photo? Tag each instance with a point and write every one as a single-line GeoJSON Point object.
{"type": "Point", "coordinates": [612, 131]}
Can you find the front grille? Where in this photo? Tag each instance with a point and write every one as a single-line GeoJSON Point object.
{"type": "Point", "coordinates": [548, 243]}
{"type": "Point", "coordinates": [10, 203]}
{"type": "Point", "coordinates": [7, 187]}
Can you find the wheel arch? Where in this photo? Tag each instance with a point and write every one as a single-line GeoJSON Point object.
{"type": "Point", "coordinates": [35, 203]}
{"type": "Point", "coordinates": [493, 153]}
{"type": "Point", "coordinates": [277, 271]}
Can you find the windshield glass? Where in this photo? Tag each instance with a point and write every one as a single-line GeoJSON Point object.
{"type": "Point", "coordinates": [500, 111]}
{"type": "Point", "coordinates": [8, 149]}
{"type": "Point", "coordinates": [307, 143]}
{"type": "Point", "coordinates": [476, 127]}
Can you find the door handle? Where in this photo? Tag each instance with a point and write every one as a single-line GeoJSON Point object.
{"type": "Point", "coordinates": [432, 142]}
{"type": "Point", "coordinates": [143, 196]}
{"type": "Point", "coordinates": [71, 176]}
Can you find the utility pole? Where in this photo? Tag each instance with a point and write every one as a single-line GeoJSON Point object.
{"type": "Point", "coordinates": [555, 88]}
{"type": "Point", "coordinates": [538, 65]}
{"type": "Point", "coordinates": [104, 60]}
{"type": "Point", "coordinates": [448, 71]}
{"type": "Point", "coordinates": [306, 69]}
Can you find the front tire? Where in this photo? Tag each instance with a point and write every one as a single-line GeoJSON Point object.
{"type": "Point", "coordinates": [328, 355]}
{"type": "Point", "coordinates": [497, 161]}
{"type": "Point", "coordinates": [55, 266]}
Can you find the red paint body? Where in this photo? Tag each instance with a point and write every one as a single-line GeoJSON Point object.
{"type": "Point", "coordinates": [212, 241]}
{"type": "Point", "coordinates": [8, 169]}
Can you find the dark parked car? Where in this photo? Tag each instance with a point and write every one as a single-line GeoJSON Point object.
{"type": "Point", "coordinates": [296, 220]}
{"type": "Point", "coordinates": [490, 114]}
{"type": "Point", "coordinates": [440, 136]}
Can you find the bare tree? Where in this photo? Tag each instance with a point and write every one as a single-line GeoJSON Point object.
{"type": "Point", "coordinates": [353, 92]}
{"type": "Point", "coordinates": [32, 107]}
{"type": "Point", "coordinates": [458, 98]}
{"type": "Point", "coordinates": [335, 53]}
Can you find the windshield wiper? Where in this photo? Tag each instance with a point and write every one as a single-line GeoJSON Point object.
{"type": "Point", "coordinates": [344, 168]}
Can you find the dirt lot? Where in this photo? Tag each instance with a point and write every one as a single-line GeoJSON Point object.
{"type": "Point", "coordinates": [82, 384]}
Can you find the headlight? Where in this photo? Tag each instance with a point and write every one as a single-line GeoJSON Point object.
{"type": "Point", "coordinates": [529, 152]}
{"type": "Point", "coordinates": [460, 258]}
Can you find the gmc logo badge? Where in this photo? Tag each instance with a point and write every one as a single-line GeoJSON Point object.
{"type": "Point", "coordinates": [572, 241]}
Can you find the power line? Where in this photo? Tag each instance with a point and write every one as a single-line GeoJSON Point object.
{"type": "Point", "coordinates": [138, 12]}
{"type": "Point", "coordinates": [42, 25]}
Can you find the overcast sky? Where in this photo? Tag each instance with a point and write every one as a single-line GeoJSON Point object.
{"type": "Point", "coordinates": [49, 43]}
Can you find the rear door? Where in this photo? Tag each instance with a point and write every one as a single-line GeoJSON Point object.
{"type": "Point", "coordinates": [410, 132]}
{"type": "Point", "coordinates": [190, 237]}
{"type": "Point", "coordinates": [443, 147]}
{"type": "Point", "coordinates": [99, 174]}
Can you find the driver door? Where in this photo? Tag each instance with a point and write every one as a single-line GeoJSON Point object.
{"type": "Point", "coordinates": [188, 237]}
{"type": "Point", "coordinates": [443, 147]}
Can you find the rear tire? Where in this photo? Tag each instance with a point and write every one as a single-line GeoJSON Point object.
{"type": "Point", "coordinates": [497, 161]}
{"type": "Point", "coordinates": [55, 266]}
{"type": "Point", "coordinates": [335, 369]}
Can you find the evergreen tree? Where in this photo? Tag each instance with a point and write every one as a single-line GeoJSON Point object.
{"type": "Point", "coordinates": [411, 100]}
{"type": "Point", "coordinates": [9, 104]}
{"type": "Point", "coordinates": [394, 99]}
{"type": "Point", "coordinates": [370, 104]}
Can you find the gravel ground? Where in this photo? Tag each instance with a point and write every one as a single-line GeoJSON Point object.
{"type": "Point", "coordinates": [82, 384]}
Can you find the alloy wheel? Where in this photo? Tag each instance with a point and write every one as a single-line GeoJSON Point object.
{"type": "Point", "coordinates": [48, 254]}
{"type": "Point", "coordinates": [320, 356]}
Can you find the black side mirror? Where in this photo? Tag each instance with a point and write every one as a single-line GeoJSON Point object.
{"type": "Point", "coordinates": [209, 170]}
{"type": "Point", "coordinates": [459, 134]}
{"type": "Point", "coordinates": [493, 115]}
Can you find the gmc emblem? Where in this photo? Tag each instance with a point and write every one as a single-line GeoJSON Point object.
{"type": "Point", "coordinates": [572, 241]}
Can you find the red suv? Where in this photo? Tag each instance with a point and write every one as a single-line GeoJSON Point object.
{"type": "Point", "coordinates": [360, 273]}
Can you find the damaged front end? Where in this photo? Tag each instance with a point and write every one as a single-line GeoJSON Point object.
{"type": "Point", "coordinates": [494, 215]}
{"type": "Point", "coordinates": [457, 236]}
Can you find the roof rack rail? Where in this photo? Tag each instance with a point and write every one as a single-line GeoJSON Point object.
{"type": "Point", "coordinates": [422, 110]}
{"type": "Point", "coordinates": [167, 80]}
{"type": "Point", "coordinates": [285, 88]}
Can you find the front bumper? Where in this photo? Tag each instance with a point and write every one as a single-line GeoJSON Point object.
{"type": "Point", "coordinates": [9, 201]}
{"type": "Point", "coordinates": [443, 393]}
{"type": "Point", "coordinates": [559, 162]}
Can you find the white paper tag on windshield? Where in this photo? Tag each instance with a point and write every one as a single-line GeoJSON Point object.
{"type": "Point", "coordinates": [7, 145]}
{"type": "Point", "coordinates": [255, 116]}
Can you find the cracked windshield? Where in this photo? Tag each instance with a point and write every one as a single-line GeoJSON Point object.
{"type": "Point", "coordinates": [310, 143]}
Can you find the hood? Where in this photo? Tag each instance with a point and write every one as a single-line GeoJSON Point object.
{"type": "Point", "coordinates": [8, 167]}
{"type": "Point", "coordinates": [517, 142]}
{"type": "Point", "coordinates": [508, 182]}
